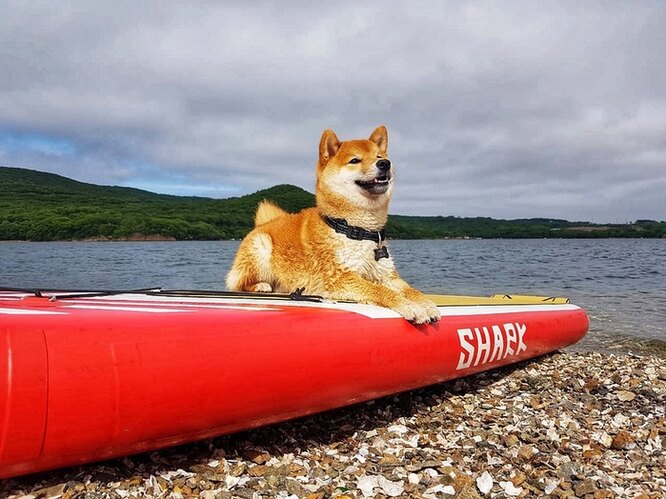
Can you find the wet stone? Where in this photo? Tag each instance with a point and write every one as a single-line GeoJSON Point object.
{"type": "Point", "coordinates": [295, 488]}
{"type": "Point", "coordinates": [468, 492]}
{"type": "Point", "coordinates": [622, 440]}
{"type": "Point", "coordinates": [526, 452]}
{"type": "Point", "coordinates": [53, 491]}
{"type": "Point", "coordinates": [585, 487]}
{"type": "Point", "coordinates": [243, 493]}
{"type": "Point", "coordinates": [510, 440]}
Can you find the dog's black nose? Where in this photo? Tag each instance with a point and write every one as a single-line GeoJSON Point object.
{"type": "Point", "coordinates": [384, 165]}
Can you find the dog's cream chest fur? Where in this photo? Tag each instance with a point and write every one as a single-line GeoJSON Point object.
{"type": "Point", "coordinates": [359, 257]}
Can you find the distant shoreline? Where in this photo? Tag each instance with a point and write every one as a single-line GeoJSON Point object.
{"type": "Point", "coordinates": [158, 238]}
{"type": "Point", "coordinates": [105, 239]}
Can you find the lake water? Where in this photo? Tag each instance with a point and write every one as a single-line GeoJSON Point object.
{"type": "Point", "coordinates": [620, 282]}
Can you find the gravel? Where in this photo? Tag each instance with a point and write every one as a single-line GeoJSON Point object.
{"type": "Point", "coordinates": [572, 424]}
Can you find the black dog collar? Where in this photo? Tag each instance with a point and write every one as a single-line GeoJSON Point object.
{"type": "Point", "coordinates": [341, 226]}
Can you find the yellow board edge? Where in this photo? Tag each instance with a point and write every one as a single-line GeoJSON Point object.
{"type": "Point", "coordinates": [440, 300]}
{"type": "Point", "coordinates": [497, 299]}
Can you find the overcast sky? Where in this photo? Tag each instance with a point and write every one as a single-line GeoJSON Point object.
{"type": "Point", "coordinates": [505, 109]}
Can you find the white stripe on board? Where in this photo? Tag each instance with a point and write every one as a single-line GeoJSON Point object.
{"type": "Point", "coordinates": [23, 311]}
{"type": "Point", "coordinates": [124, 303]}
{"type": "Point", "coordinates": [371, 311]}
{"type": "Point", "coordinates": [128, 309]}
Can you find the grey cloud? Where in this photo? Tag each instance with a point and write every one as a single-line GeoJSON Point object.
{"type": "Point", "coordinates": [516, 109]}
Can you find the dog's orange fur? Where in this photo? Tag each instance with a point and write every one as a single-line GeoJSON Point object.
{"type": "Point", "coordinates": [288, 251]}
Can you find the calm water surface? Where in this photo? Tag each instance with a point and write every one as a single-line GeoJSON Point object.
{"type": "Point", "coordinates": [621, 283]}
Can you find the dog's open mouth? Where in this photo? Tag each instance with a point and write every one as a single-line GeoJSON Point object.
{"type": "Point", "coordinates": [378, 185]}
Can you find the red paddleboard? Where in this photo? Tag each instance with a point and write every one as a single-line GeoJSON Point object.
{"type": "Point", "coordinates": [86, 378]}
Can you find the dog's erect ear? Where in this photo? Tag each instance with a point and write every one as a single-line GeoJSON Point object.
{"type": "Point", "coordinates": [380, 137]}
{"type": "Point", "coordinates": [328, 146]}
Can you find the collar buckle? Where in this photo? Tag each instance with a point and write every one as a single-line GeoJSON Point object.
{"type": "Point", "coordinates": [353, 232]}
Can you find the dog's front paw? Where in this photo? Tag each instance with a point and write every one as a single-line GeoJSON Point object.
{"type": "Point", "coordinates": [433, 311]}
{"type": "Point", "coordinates": [418, 312]}
{"type": "Point", "coordinates": [262, 287]}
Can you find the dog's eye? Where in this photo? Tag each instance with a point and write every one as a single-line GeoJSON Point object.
{"type": "Point", "coordinates": [354, 161]}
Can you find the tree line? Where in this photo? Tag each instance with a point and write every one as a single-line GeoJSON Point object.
{"type": "Point", "coordinates": [38, 206]}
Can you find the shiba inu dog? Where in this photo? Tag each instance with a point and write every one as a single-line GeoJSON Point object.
{"type": "Point", "coordinates": [337, 249]}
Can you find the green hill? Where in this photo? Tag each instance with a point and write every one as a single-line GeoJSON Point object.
{"type": "Point", "coordinates": [41, 206]}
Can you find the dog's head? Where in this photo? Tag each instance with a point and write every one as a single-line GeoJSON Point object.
{"type": "Point", "coordinates": [354, 174]}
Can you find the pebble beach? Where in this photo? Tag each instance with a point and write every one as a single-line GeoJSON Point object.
{"type": "Point", "coordinates": [570, 424]}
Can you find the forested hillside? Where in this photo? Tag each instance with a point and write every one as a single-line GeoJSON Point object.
{"type": "Point", "coordinates": [41, 206]}
{"type": "Point", "coordinates": [46, 207]}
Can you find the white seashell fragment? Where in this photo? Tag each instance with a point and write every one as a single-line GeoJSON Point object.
{"type": "Point", "coordinates": [391, 489]}
{"type": "Point", "coordinates": [510, 489]}
{"type": "Point", "coordinates": [485, 482]}
{"type": "Point", "coordinates": [552, 435]}
{"type": "Point", "coordinates": [366, 484]}
{"type": "Point", "coordinates": [603, 438]}
{"type": "Point", "coordinates": [398, 428]}
{"type": "Point", "coordinates": [413, 441]}
{"type": "Point", "coordinates": [231, 481]}
{"type": "Point", "coordinates": [551, 485]}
